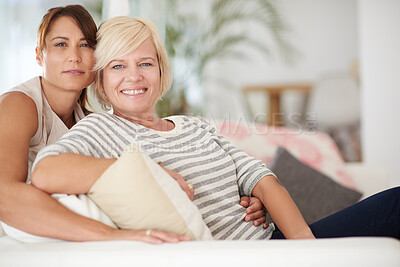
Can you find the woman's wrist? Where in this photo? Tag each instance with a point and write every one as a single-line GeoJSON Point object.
{"type": "Point", "coordinates": [303, 234]}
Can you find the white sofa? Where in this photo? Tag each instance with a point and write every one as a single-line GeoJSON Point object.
{"type": "Point", "coordinates": [355, 251]}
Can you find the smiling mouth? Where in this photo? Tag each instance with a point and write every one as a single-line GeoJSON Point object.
{"type": "Point", "coordinates": [133, 92]}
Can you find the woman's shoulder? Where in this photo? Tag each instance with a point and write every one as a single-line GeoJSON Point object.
{"type": "Point", "coordinates": [93, 122]}
{"type": "Point", "coordinates": [104, 115]}
{"type": "Point", "coordinates": [18, 111]}
{"type": "Point", "coordinates": [31, 87]}
{"type": "Point", "coordinates": [21, 92]}
{"type": "Point", "coordinates": [184, 118]}
{"type": "Point", "coordinates": [198, 121]}
{"type": "Point", "coordinates": [100, 119]}
{"type": "Point", "coordinates": [29, 91]}
{"type": "Point", "coordinates": [95, 117]}
{"type": "Point", "coordinates": [14, 100]}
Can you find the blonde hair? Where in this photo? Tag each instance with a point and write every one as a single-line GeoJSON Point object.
{"type": "Point", "coordinates": [119, 36]}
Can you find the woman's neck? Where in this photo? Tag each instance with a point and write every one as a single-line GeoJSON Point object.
{"type": "Point", "coordinates": [62, 102]}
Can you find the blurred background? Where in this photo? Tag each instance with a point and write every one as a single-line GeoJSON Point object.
{"type": "Point", "coordinates": [313, 65]}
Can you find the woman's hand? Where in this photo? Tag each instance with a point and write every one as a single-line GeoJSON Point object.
{"type": "Point", "coordinates": [148, 236]}
{"type": "Point", "coordinates": [188, 188]}
{"type": "Point", "coordinates": [254, 210]}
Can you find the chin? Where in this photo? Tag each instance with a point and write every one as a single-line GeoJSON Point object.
{"type": "Point", "coordinates": [74, 87]}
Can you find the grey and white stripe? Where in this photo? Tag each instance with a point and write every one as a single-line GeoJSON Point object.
{"type": "Point", "coordinates": [219, 172]}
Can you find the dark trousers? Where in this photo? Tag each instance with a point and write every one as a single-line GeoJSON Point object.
{"type": "Point", "coordinates": [378, 215]}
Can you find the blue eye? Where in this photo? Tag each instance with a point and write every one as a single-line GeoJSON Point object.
{"type": "Point", "coordinates": [145, 64]}
{"type": "Point", "coordinates": [117, 67]}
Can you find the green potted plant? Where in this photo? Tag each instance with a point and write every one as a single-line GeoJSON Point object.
{"type": "Point", "coordinates": [193, 42]}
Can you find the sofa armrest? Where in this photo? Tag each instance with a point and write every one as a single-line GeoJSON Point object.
{"type": "Point", "coordinates": [369, 179]}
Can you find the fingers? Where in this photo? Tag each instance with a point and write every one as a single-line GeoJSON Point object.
{"type": "Point", "coordinates": [245, 201]}
{"type": "Point", "coordinates": [186, 187]}
{"type": "Point", "coordinates": [258, 215]}
{"type": "Point", "coordinates": [149, 236]}
{"type": "Point", "coordinates": [189, 190]}
{"type": "Point", "coordinates": [159, 237]}
{"type": "Point", "coordinates": [254, 205]}
{"type": "Point", "coordinates": [255, 211]}
{"type": "Point", "coordinates": [172, 173]}
{"type": "Point", "coordinates": [260, 221]}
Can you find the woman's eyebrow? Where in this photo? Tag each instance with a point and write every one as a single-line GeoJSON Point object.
{"type": "Point", "coordinates": [116, 60]}
{"type": "Point", "coordinates": [65, 38]}
{"type": "Point", "coordinates": [148, 58]}
{"type": "Point", "coordinates": [59, 37]}
{"type": "Point", "coordinates": [140, 59]}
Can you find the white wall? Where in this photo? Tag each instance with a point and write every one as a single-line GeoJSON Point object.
{"type": "Point", "coordinates": [18, 42]}
{"type": "Point", "coordinates": [379, 25]}
{"type": "Point", "coordinates": [324, 32]}
{"type": "Point", "coordinates": [19, 20]}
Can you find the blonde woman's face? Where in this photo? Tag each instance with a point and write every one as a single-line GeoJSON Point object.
{"type": "Point", "coordinates": [67, 58]}
{"type": "Point", "coordinates": [132, 82]}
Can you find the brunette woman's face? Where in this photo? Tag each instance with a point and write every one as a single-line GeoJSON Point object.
{"type": "Point", "coordinates": [67, 58]}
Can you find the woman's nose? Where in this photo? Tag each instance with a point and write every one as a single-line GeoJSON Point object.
{"type": "Point", "coordinates": [74, 55]}
{"type": "Point", "coordinates": [134, 74]}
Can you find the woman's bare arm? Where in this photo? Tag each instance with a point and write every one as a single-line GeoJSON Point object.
{"type": "Point", "coordinates": [68, 173]}
{"type": "Point", "coordinates": [28, 208]}
{"type": "Point", "coordinates": [282, 208]}
{"type": "Point", "coordinates": [21, 205]}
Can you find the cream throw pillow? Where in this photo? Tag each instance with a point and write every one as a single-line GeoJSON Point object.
{"type": "Point", "coordinates": [136, 193]}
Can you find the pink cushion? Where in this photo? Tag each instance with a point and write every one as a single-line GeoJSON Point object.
{"type": "Point", "coordinates": [315, 149]}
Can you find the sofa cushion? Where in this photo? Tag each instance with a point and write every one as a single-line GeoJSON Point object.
{"type": "Point", "coordinates": [315, 149]}
{"type": "Point", "coordinates": [136, 193]}
{"type": "Point", "coordinates": [2, 233]}
{"type": "Point", "coordinates": [315, 194]}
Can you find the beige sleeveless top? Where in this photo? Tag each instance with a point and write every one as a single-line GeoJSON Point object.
{"type": "Point", "coordinates": [50, 126]}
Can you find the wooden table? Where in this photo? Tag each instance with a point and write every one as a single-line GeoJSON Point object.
{"type": "Point", "coordinates": [274, 92]}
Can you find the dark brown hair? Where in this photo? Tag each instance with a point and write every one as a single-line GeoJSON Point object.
{"type": "Point", "coordinates": [85, 22]}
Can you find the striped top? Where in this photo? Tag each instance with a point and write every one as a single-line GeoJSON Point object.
{"type": "Point", "coordinates": [219, 172]}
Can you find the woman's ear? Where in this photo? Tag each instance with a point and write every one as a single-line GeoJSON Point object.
{"type": "Point", "coordinates": [39, 56]}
